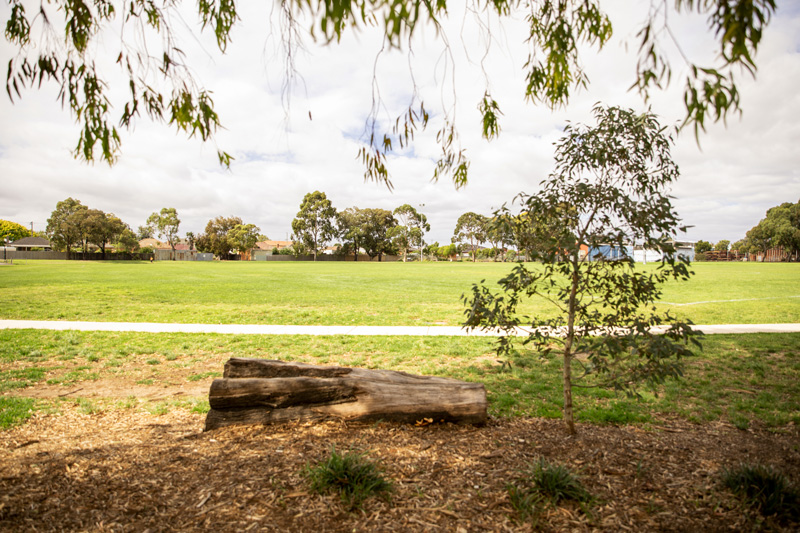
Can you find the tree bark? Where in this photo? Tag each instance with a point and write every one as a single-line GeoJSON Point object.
{"type": "Point", "coordinates": [260, 391]}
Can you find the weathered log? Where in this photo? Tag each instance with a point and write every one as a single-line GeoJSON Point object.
{"type": "Point", "coordinates": [259, 391]}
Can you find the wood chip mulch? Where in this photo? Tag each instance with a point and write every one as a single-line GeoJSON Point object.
{"type": "Point", "coordinates": [126, 470]}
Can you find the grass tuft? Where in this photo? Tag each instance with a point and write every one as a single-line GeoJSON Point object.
{"type": "Point", "coordinates": [352, 475]}
{"type": "Point", "coordinates": [764, 489]}
{"type": "Point", "coordinates": [546, 484]}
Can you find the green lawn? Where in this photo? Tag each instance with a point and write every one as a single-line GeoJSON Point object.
{"type": "Point", "coordinates": [742, 379]}
{"type": "Point", "coordinates": [343, 293]}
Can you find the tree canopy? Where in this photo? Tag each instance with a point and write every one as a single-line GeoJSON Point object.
{"type": "Point", "coordinates": [314, 225]}
{"type": "Point", "coordinates": [471, 228]}
{"type": "Point", "coordinates": [59, 42]}
{"type": "Point", "coordinates": [165, 223]}
{"type": "Point", "coordinates": [779, 228]}
{"type": "Point", "coordinates": [12, 231]}
{"type": "Point", "coordinates": [62, 226]}
{"type": "Point", "coordinates": [216, 238]}
{"type": "Point", "coordinates": [410, 229]}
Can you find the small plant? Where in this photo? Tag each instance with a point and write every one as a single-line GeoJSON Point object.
{"type": "Point", "coordinates": [764, 489]}
{"type": "Point", "coordinates": [546, 484]}
{"type": "Point", "coordinates": [352, 475]}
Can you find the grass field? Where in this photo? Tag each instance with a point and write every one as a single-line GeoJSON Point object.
{"type": "Point", "coordinates": [344, 293]}
{"type": "Point", "coordinates": [742, 379]}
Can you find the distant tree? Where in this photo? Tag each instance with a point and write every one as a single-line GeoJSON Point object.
{"type": "Point", "coordinates": [166, 224]}
{"type": "Point", "coordinates": [446, 252]}
{"type": "Point", "coordinates": [215, 239]}
{"type": "Point", "coordinates": [615, 178]}
{"type": "Point", "coordinates": [243, 237]}
{"type": "Point", "coordinates": [351, 227]}
{"type": "Point", "coordinates": [500, 233]}
{"type": "Point", "coordinates": [784, 225]}
{"type": "Point", "coordinates": [314, 225]}
{"type": "Point", "coordinates": [779, 228]}
{"type": "Point", "coordinates": [127, 241]}
{"type": "Point", "coordinates": [701, 247]}
{"type": "Point", "coordinates": [430, 249]}
{"type": "Point", "coordinates": [722, 246]}
{"type": "Point", "coordinates": [145, 232]}
{"type": "Point", "coordinates": [410, 229]}
{"type": "Point", "coordinates": [377, 224]}
{"type": "Point", "coordinates": [63, 226]}
{"type": "Point", "coordinates": [742, 246]}
{"type": "Point", "coordinates": [190, 238]}
{"type": "Point", "coordinates": [471, 228]}
{"type": "Point", "coordinates": [102, 228]}
{"type": "Point", "coordinates": [12, 231]}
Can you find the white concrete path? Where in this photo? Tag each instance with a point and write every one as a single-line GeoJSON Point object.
{"type": "Point", "coordinates": [258, 329]}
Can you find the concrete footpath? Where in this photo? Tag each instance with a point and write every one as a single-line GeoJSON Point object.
{"type": "Point", "coordinates": [258, 329]}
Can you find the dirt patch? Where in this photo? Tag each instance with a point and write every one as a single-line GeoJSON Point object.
{"type": "Point", "coordinates": [127, 470]}
{"type": "Point", "coordinates": [120, 388]}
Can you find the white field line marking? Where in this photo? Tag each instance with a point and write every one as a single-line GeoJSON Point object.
{"type": "Point", "coordinates": [726, 301]}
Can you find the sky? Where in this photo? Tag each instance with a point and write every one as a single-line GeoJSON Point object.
{"type": "Point", "coordinates": [287, 147]}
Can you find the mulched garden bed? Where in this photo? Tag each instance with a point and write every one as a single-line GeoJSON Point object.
{"type": "Point", "coordinates": [128, 470]}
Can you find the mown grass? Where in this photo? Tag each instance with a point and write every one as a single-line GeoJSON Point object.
{"type": "Point", "coordinates": [742, 379]}
{"type": "Point", "coordinates": [331, 293]}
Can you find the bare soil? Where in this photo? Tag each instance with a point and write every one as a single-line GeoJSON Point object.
{"type": "Point", "coordinates": [128, 470]}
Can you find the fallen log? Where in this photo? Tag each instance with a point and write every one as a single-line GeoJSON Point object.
{"type": "Point", "coordinates": [261, 391]}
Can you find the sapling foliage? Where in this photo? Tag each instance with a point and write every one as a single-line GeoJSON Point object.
{"type": "Point", "coordinates": [609, 191]}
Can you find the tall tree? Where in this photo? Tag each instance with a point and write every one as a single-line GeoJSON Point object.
{"type": "Point", "coordinates": [702, 247]}
{"type": "Point", "coordinates": [410, 229]}
{"type": "Point", "coordinates": [127, 241]}
{"type": "Point", "coordinates": [351, 228]}
{"type": "Point", "coordinates": [616, 177]}
{"type": "Point", "coordinates": [314, 225]}
{"type": "Point", "coordinates": [377, 224]}
{"type": "Point", "coordinates": [12, 231]}
{"type": "Point", "coordinates": [63, 227]}
{"type": "Point", "coordinates": [215, 239]}
{"type": "Point", "coordinates": [243, 237]}
{"type": "Point", "coordinates": [160, 82]}
{"type": "Point", "coordinates": [145, 232]}
{"type": "Point", "coordinates": [102, 228]}
{"type": "Point", "coordinates": [166, 224]}
{"type": "Point", "coordinates": [779, 228]}
{"type": "Point", "coordinates": [722, 246]}
{"type": "Point", "coordinates": [471, 228]}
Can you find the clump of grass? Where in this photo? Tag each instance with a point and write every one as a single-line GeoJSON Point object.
{"type": "Point", "coordinates": [87, 407]}
{"type": "Point", "coordinates": [15, 411]}
{"type": "Point", "coordinates": [764, 489]}
{"type": "Point", "coordinates": [352, 475]}
{"type": "Point", "coordinates": [546, 484]}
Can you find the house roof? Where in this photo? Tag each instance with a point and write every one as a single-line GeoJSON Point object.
{"type": "Point", "coordinates": [155, 244]}
{"type": "Point", "coordinates": [269, 245]}
{"type": "Point", "coordinates": [35, 242]}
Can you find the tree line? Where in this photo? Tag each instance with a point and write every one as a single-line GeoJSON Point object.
{"type": "Point", "coordinates": [376, 231]}
{"type": "Point", "coordinates": [74, 226]}
{"type": "Point", "coordinates": [780, 228]}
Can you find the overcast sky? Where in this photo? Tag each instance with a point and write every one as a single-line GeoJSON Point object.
{"type": "Point", "coordinates": [726, 184]}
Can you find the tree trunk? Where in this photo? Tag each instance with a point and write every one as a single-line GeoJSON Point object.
{"type": "Point", "coordinates": [260, 391]}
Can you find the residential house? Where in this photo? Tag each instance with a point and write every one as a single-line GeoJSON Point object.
{"type": "Point", "coordinates": [29, 243]}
